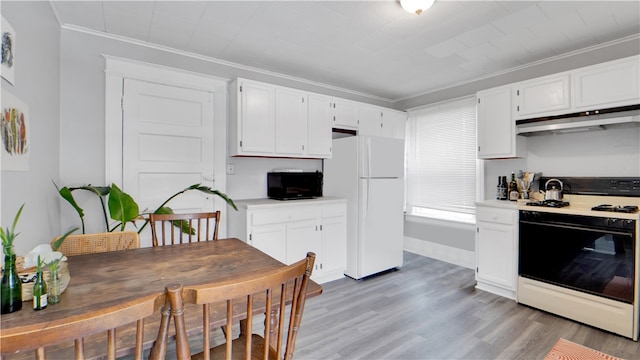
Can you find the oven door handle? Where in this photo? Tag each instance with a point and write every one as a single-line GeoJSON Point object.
{"type": "Point", "coordinates": [613, 232]}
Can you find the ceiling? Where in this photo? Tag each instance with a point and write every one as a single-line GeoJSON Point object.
{"type": "Point", "coordinates": [369, 47]}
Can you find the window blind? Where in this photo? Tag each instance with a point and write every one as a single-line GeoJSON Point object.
{"type": "Point", "coordinates": [441, 157]}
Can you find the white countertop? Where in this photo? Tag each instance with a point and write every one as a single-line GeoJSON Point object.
{"type": "Point", "coordinates": [578, 205]}
{"type": "Point", "coordinates": [265, 202]}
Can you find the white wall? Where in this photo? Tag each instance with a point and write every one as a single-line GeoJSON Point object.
{"type": "Point", "coordinates": [82, 121]}
{"type": "Point", "coordinates": [249, 180]}
{"type": "Point", "coordinates": [37, 84]}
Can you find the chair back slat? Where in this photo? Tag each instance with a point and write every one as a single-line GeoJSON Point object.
{"type": "Point", "coordinates": [170, 229]}
{"type": "Point", "coordinates": [269, 292]}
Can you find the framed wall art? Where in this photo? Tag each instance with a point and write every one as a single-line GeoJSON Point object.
{"type": "Point", "coordinates": [15, 133]}
{"type": "Point", "coordinates": [8, 51]}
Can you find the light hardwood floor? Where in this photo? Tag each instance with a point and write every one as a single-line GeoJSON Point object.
{"type": "Point", "coordinates": [429, 309]}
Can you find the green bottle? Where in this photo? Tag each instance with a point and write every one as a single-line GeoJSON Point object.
{"type": "Point", "coordinates": [11, 289]}
{"type": "Point", "coordinates": [39, 289]}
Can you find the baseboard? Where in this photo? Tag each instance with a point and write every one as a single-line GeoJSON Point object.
{"type": "Point", "coordinates": [456, 256]}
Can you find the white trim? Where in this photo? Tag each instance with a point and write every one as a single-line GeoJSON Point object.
{"type": "Point", "coordinates": [84, 30]}
{"type": "Point", "coordinates": [460, 257]}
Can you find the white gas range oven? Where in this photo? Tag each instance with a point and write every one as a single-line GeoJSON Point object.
{"type": "Point", "coordinates": [579, 257]}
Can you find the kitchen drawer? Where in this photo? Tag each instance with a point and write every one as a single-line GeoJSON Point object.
{"type": "Point", "coordinates": [334, 210]}
{"type": "Point", "coordinates": [283, 215]}
{"type": "Point", "coordinates": [502, 216]}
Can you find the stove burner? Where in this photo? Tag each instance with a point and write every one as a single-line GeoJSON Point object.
{"type": "Point", "coordinates": [622, 209]}
{"type": "Point", "coordinates": [549, 203]}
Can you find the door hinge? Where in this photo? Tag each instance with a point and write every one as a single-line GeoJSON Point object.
{"type": "Point", "coordinates": [381, 125]}
{"type": "Point", "coordinates": [334, 118]}
{"type": "Point", "coordinates": [478, 101]}
{"type": "Point", "coordinates": [477, 269]}
{"type": "Point", "coordinates": [478, 148]}
{"type": "Point", "coordinates": [122, 103]}
{"type": "Point", "coordinates": [240, 88]}
{"type": "Point", "coordinates": [250, 236]}
{"type": "Point", "coordinates": [303, 100]}
{"type": "Point", "coordinates": [302, 147]}
{"type": "Point", "coordinates": [320, 227]}
{"type": "Point", "coordinates": [518, 92]}
{"type": "Point", "coordinates": [240, 143]}
{"type": "Point", "coordinates": [518, 108]}
{"type": "Point", "coordinates": [477, 229]}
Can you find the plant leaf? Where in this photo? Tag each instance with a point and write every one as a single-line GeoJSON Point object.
{"type": "Point", "coordinates": [122, 207]}
{"type": "Point", "coordinates": [208, 190]}
{"type": "Point", "coordinates": [56, 245]}
{"type": "Point", "coordinates": [98, 190]}
{"type": "Point", "coordinates": [66, 194]}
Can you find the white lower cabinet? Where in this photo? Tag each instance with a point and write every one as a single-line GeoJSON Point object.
{"type": "Point", "coordinates": [496, 249]}
{"type": "Point", "coordinates": [286, 231]}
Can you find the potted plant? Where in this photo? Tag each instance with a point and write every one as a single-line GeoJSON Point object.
{"type": "Point", "coordinates": [11, 288]}
{"type": "Point", "coordinates": [123, 208]}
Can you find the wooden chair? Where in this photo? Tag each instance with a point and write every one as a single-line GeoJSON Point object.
{"type": "Point", "coordinates": [97, 328]}
{"type": "Point", "coordinates": [268, 292]}
{"type": "Point", "coordinates": [97, 243]}
{"type": "Point", "coordinates": [204, 225]}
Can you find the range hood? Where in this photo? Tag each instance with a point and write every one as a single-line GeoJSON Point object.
{"type": "Point", "coordinates": [626, 116]}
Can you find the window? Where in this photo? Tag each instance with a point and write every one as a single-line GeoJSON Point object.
{"type": "Point", "coordinates": [441, 160]}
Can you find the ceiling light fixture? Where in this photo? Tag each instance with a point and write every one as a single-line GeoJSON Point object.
{"type": "Point", "coordinates": [416, 6]}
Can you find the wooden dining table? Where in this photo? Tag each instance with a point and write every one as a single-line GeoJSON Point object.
{"type": "Point", "coordinates": [106, 279]}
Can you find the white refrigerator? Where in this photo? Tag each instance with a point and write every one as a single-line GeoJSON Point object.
{"type": "Point", "coordinates": [369, 171]}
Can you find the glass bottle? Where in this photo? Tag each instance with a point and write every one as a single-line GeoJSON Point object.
{"type": "Point", "coordinates": [11, 289]}
{"type": "Point", "coordinates": [513, 188]}
{"type": "Point", "coordinates": [39, 290]}
{"type": "Point", "coordinates": [54, 285]}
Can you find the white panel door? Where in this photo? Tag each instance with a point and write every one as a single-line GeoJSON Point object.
{"type": "Point", "coordinates": [291, 122]}
{"type": "Point", "coordinates": [381, 225]}
{"type": "Point", "coordinates": [167, 145]}
{"type": "Point", "coordinates": [319, 126]}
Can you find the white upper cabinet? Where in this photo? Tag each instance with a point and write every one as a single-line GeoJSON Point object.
{"type": "Point", "coordinates": [378, 121]}
{"type": "Point", "coordinates": [607, 85]}
{"type": "Point", "coordinates": [394, 123]}
{"type": "Point", "coordinates": [291, 121]}
{"type": "Point", "coordinates": [320, 119]}
{"type": "Point", "coordinates": [369, 120]}
{"type": "Point", "coordinates": [545, 96]}
{"type": "Point", "coordinates": [254, 112]}
{"type": "Point", "coordinates": [345, 114]}
{"type": "Point", "coordinates": [496, 132]}
{"type": "Point", "coordinates": [276, 121]}
{"type": "Point", "coordinates": [612, 84]}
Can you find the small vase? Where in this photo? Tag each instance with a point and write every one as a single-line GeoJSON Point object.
{"type": "Point", "coordinates": [11, 288]}
{"type": "Point", "coordinates": [54, 286]}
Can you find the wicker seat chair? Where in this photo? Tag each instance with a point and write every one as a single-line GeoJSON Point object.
{"type": "Point", "coordinates": [99, 242]}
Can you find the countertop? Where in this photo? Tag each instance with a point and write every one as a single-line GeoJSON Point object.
{"type": "Point", "coordinates": [267, 203]}
{"type": "Point", "coordinates": [578, 205]}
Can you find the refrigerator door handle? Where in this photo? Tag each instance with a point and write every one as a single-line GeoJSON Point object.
{"type": "Point", "coordinates": [365, 201]}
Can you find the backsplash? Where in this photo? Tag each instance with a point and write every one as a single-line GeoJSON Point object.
{"type": "Point", "coordinates": [249, 180]}
{"type": "Point", "coordinates": [614, 152]}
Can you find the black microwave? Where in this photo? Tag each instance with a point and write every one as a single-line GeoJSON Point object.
{"type": "Point", "coordinates": [294, 185]}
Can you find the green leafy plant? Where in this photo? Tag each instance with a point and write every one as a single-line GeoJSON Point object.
{"type": "Point", "coordinates": [53, 264]}
{"type": "Point", "coordinates": [9, 235]}
{"type": "Point", "coordinates": [123, 208]}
